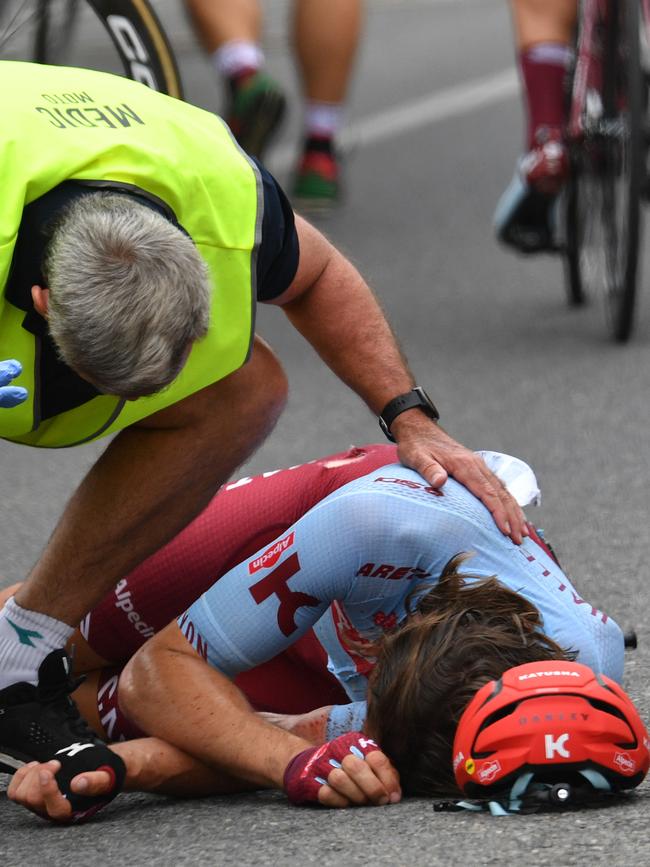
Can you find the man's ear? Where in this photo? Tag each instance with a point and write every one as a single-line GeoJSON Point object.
{"type": "Point", "coordinates": [41, 299]}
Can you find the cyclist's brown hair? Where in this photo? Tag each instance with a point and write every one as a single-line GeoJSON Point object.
{"type": "Point", "coordinates": [463, 633]}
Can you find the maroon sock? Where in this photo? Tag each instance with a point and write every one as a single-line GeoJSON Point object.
{"type": "Point", "coordinates": [544, 70]}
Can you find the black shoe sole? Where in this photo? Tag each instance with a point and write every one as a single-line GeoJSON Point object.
{"type": "Point", "coordinates": [530, 228]}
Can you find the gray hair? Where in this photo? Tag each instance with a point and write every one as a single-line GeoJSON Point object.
{"type": "Point", "coordinates": [129, 294]}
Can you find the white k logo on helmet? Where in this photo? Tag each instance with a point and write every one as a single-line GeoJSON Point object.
{"type": "Point", "coordinates": [556, 746]}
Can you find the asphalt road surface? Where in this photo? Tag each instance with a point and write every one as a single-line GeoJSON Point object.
{"type": "Point", "coordinates": [434, 128]}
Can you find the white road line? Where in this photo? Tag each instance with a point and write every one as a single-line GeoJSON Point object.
{"type": "Point", "coordinates": [441, 105]}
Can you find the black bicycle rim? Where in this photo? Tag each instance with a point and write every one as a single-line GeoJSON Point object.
{"type": "Point", "coordinates": [141, 43]}
{"type": "Point", "coordinates": [574, 227]}
{"type": "Point", "coordinates": [623, 175]}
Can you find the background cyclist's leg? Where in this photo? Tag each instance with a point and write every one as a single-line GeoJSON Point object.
{"type": "Point", "coordinates": [326, 35]}
{"type": "Point", "coordinates": [544, 41]}
{"type": "Point", "coordinates": [544, 45]}
{"type": "Point", "coordinates": [221, 21]}
{"type": "Point", "coordinates": [230, 31]}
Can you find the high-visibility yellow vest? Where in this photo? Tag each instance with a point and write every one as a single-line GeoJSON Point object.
{"type": "Point", "coordinates": [58, 123]}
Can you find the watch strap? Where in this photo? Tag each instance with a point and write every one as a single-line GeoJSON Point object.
{"type": "Point", "coordinates": [415, 398]}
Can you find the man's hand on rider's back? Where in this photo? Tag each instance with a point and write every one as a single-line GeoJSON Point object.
{"type": "Point", "coordinates": [10, 395]}
{"type": "Point", "coordinates": [425, 447]}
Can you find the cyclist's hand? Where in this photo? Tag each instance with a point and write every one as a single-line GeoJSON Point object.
{"type": "Point", "coordinates": [34, 786]}
{"type": "Point", "coordinates": [429, 450]}
{"type": "Point", "coordinates": [10, 395]}
{"type": "Point", "coordinates": [351, 770]}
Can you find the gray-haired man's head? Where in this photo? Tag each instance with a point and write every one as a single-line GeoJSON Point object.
{"type": "Point", "coordinates": [128, 294]}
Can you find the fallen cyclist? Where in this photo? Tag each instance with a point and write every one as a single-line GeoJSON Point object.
{"type": "Point", "coordinates": [336, 598]}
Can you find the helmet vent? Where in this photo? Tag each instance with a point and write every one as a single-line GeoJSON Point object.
{"type": "Point", "coordinates": [499, 714]}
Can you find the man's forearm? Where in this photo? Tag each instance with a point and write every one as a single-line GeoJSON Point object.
{"type": "Point", "coordinates": [342, 319]}
{"type": "Point", "coordinates": [334, 309]}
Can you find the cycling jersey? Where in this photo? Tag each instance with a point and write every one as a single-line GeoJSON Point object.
{"type": "Point", "coordinates": [347, 565]}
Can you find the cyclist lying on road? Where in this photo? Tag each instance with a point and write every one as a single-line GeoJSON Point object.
{"type": "Point", "coordinates": [333, 582]}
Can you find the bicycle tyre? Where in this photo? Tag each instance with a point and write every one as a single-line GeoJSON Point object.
{"type": "Point", "coordinates": [624, 166]}
{"type": "Point", "coordinates": [45, 29]}
{"type": "Point", "coordinates": [580, 203]}
{"type": "Point", "coordinates": [141, 42]}
{"type": "Point", "coordinates": [574, 230]}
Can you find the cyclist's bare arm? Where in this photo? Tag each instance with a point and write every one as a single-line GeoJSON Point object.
{"type": "Point", "coordinates": [169, 691]}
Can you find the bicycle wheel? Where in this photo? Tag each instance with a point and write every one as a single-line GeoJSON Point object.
{"type": "Point", "coordinates": [121, 36]}
{"type": "Point", "coordinates": [575, 219]}
{"type": "Point", "coordinates": [586, 259]}
{"type": "Point", "coordinates": [605, 199]}
{"type": "Point", "coordinates": [623, 176]}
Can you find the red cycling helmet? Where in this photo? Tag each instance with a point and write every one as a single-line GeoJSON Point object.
{"type": "Point", "coordinates": [554, 723]}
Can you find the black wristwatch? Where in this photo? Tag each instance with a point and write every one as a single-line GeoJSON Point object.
{"type": "Point", "coordinates": [416, 397]}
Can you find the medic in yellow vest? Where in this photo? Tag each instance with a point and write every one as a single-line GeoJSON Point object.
{"type": "Point", "coordinates": [105, 130]}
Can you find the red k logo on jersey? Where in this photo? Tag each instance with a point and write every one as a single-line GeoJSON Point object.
{"type": "Point", "coordinates": [271, 556]}
{"type": "Point", "coordinates": [275, 584]}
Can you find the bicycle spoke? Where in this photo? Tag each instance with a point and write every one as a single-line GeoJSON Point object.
{"type": "Point", "coordinates": [609, 165]}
